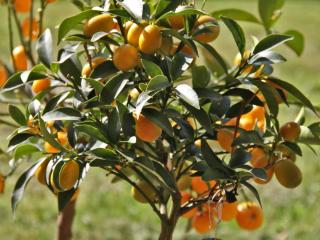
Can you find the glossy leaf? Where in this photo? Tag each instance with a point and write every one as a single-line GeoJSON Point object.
{"type": "Point", "coordinates": [17, 115]}
{"type": "Point", "coordinates": [44, 48]}
{"type": "Point", "coordinates": [270, 42]}
{"type": "Point", "coordinates": [237, 33]}
{"type": "Point", "coordinates": [236, 14]}
{"type": "Point", "coordinates": [187, 94]}
{"type": "Point", "coordinates": [297, 44]}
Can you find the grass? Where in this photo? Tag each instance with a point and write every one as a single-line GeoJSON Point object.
{"type": "Point", "coordinates": [106, 211]}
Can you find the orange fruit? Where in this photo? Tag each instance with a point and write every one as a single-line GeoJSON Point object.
{"type": "Point", "coordinates": [146, 130]}
{"type": "Point", "coordinates": [185, 197]}
{"type": "Point", "coordinates": [290, 131]}
{"type": "Point", "coordinates": [288, 174]}
{"type": "Point", "coordinates": [203, 222]}
{"type": "Point", "coordinates": [95, 62]}
{"type": "Point", "coordinates": [3, 75]}
{"type": "Point", "coordinates": [41, 172]}
{"type": "Point", "coordinates": [134, 33]}
{"type": "Point", "coordinates": [101, 23]}
{"type": "Point", "coordinates": [20, 58]}
{"type": "Point", "coordinates": [40, 85]}
{"type": "Point", "coordinates": [50, 149]}
{"type": "Point", "coordinates": [62, 138]}
{"type": "Point", "coordinates": [69, 174]}
{"type": "Point", "coordinates": [200, 186]}
{"type": "Point", "coordinates": [228, 211]}
{"type": "Point", "coordinates": [176, 22]}
{"type": "Point", "coordinates": [150, 39]}
{"type": "Point", "coordinates": [225, 136]}
{"type": "Point", "coordinates": [127, 27]}
{"type": "Point", "coordinates": [25, 26]}
{"type": "Point", "coordinates": [241, 58]}
{"type": "Point", "coordinates": [213, 31]}
{"type": "Point", "coordinates": [249, 216]}
{"type": "Point", "coordinates": [184, 182]}
{"type": "Point", "coordinates": [126, 57]}
{"type": "Point", "coordinates": [259, 159]}
{"type": "Point", "coordinates": [22, 6]}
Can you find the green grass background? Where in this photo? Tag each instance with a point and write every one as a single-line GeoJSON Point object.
{"type": "Point", "coordinates": [106, 211]}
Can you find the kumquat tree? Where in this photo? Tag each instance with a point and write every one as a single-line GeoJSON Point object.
{"type": "Point", "coordinates": [138, 90]}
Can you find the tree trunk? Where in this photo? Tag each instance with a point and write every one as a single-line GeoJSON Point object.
{"type": "Point", "coordinates": [65, 219]}
{"type": "Point", "coordinates": [167, 230]}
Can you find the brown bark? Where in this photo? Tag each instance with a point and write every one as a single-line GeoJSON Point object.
{"type": "Point", "coordinates": [65, 220]}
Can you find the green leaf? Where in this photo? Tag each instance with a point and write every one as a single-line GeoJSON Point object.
{"type": "Point", "coordinates": [236, 14]}
{"type": "Point", "coordinates": [104, 70]}
{"type": "Point", "coordinates": [93, 131]}
{"type": "Point", "coordinates": [200, 76]}
{"type": "Point", "coordinates": [159, 119]}
{"type": "Point", "coordinates": [253, 190]}
{"type": "Point", "coordinates": [48, 137]}
{"type": "Point", "coordinates": [104, 153]}
{"type": "Point", "coordinates": [159, 82]}
{"type": "Point", "coordinates": [22, 183]}
{"type": "Point", "coordinates": [44, 48]}
{"type": "Point", "coordinates": [56, 100]}
{"type": "Point", "coordinates": [187, 94]}
{"type": "Point", "coordinates": [134, 8]}
{"type": "Point", "coordinates": [239, 158]}
{"type": "Point", "coordinates": [64, 198]}
{"type": "Point", "coordinates": [72, 22]}
{"type": "Point", "coordinates": [142, 100]}
{"type": "Point", "coordinates": [270, 11]}
{"type": "Point", "coordinates": [25, 149]}
{"type": "Point", "coordinates": [70, 67]}
{"type": "Point", "coordinates": [271, 41]}
{"type": "Point", "coordinates": [247, 137]}
{"type": "Point", "coordinates": [295, 92]}
{"type": "Point", "coordinates": [114, 87]}
{"type": "Point", "coordinates": [17, 115]}
{"type": "Point", "coordinates": [269, 94]}
{"type": "Point", "coordinates": [15, 80]}
{"type": "Point", "coordinates": [17, 139]}
{"type": "Point", "coordinates": [237, 33]}
{"type": "Point", "coordinates": [298, 42]}
{"type": "Point", "coordinates": [151, 68]}
{"type": "Point", "coordinates": [182, 11]}
{"type": "Point", "coordinates": [62, 114]}
{"type": "Point", "coordinates": [164, 6]}
{"type": "Point", "coordinates": [310, 135]}
{"type": "Point", "coordinates": [114, 126]}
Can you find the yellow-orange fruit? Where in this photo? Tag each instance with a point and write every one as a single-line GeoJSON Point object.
{"type": "Point", "coordinates": [259, 158]}
{"type": "Point", "coordinates": [3, 75]}
{"type": "Point", "coordinates": [203, 222]}
{"type": "Point", "coordinates": [87, 70]}
{"type": "Point", "coordinates": [150, 39]}
{"type": "Point", "coordinates": [146, 130]}
{"type": "Point", "coordinates": [225, 136]}
{"type": "Point", "coordinates": [22, 6]}
{"type": "Point", "coordinates": [40, 85]}
{"type": "Point", "coordinates": [2, 183]}
{"type": "Point", "coordinates": [249, 216]}
{"type": "Point", "coordinates": [41, 172]}
{"type": "Point", "coordinates": [100, 23]}
{"type": "Point", "coordinates": [176, 22]}
{"type": "Point", "coordinates": [185, 197]}
{"type": "Point", "coordinates": [127, 27]}
{"type": "Point", "coordinates": [69, 174]}
{"type": "Point", "coordinates": [200, 186]}
{"type": "Point", "coordinates": [126, 57]}
{"type": "Point", "coordinates": [50, 149]}
{"type": "Point", "coordinates": [147, 189]}
{"type": "Point", "coordinates": [25, 26]}
{"type": "Point", "coordinates": [20, 58]}
{"type": "Point", "coordinates": [134, 33]}
{"type": "Point", "coordinates": [213, 31]}
{"type": "Point", "coordinates": [288, 174]}
{"type": "Point", "coordinates": [228, 211]}
{"type": "Point", "coordinates": [290, 131]}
